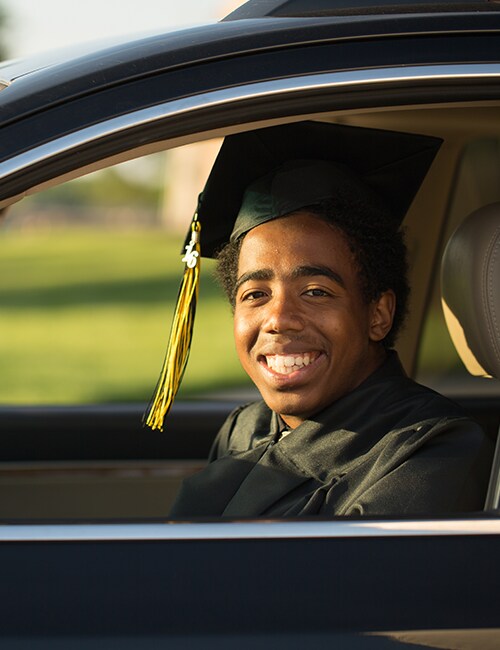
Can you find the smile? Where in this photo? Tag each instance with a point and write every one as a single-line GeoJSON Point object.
{"type": "Point", "coordinates": [285, 364]}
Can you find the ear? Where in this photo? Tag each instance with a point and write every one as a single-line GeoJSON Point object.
{"type": "Point", "coordinates": [382, 315]}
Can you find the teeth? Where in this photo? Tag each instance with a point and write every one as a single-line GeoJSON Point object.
{"type": "Point", "coordinates": [288, 363]}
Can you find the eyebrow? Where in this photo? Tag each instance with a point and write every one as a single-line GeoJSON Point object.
{"type": "Point", "coordinates": [309, 271]}
{"type": "Point", "coordinates": [261, 274]}
{"type": "Point", "coordinates": [298, 272]}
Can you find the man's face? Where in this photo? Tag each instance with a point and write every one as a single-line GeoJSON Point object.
{"type": "Point", "coordinates": [303, 331]}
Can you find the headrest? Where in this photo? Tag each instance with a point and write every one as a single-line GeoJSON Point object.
{"type": "Point", "coordinates": [470, 285]}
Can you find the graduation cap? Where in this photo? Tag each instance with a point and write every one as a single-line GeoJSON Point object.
{"type": "Point", "coordinates": [267, 173]}
{"type": "Point", "coordinates": [384, 164]}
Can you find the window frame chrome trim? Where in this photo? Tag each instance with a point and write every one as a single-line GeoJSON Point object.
{"type": "Point", "coordinates": [259, 90]}
{"type": "Point", "coordinates": [264, 530]}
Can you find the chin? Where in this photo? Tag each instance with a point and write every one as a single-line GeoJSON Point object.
{"type": "Point", "coordinates": [292, 407]}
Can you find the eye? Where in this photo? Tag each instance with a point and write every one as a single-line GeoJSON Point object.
{"type": "Point", "coordinates": [315, 292]}
{"type": "Point", "coordinates": [253, 295]}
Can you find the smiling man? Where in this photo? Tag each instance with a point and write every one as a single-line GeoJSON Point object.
{"type": "Point", "coordinates": [315, 271]}
{"type": "Point", "coordinates": [304, 331]}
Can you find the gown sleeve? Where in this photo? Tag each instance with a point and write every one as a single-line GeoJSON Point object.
{"type": "Point", "coordinates": [449, 474]}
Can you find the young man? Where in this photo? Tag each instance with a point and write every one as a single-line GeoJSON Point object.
{"type": "Point", "coordinates": [316, 274]}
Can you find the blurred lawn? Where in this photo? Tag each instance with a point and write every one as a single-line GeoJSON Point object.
{"type": "Point", "coordinates": [85, 318]}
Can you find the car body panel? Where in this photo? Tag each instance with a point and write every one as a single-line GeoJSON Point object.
{"type": "Point", "coordinates": [185, 581]}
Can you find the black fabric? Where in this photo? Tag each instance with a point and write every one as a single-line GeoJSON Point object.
{"type": "Point", "coordinates": [296, 184]}
{"type": "Point", "coordinates": [390, 447]}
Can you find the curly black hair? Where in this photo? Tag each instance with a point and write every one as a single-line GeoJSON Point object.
{"type": "Point", "coordinates": [377, 245]}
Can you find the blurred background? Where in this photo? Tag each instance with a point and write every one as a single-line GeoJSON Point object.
{"type": "Point", "coordinates": [32, 26]}
{"type": "Point", "coordinates": [90, 269]}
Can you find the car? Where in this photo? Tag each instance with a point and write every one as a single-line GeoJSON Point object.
{"type": "Point", "coordinates": [80, 576]}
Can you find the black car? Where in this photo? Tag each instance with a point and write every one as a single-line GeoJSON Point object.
{"type": "Point", "coordinates": [104, 580]}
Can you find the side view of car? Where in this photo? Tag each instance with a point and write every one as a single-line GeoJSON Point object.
{"type": "Point", "coordinates": [96, 573]}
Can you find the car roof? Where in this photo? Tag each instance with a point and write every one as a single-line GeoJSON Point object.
{"type": "Point", "coordinates": [289, 8]}
{"type": "Point", "coordinates": [40, 82]}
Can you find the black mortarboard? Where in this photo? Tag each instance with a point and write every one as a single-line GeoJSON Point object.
{"type": "Point", "coordinates": [267, 173]}
{"type": "Point", "coordinates": [313, 159]}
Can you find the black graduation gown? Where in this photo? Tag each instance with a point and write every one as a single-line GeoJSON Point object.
{"type": "Point", "coordinates": [390, 447]}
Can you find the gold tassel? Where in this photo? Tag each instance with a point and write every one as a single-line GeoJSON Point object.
{"type": "Point", "coordinates": [181, 333]}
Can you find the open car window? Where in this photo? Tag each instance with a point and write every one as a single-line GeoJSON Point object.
{"type": "Point", "coordinates": [92, 269]}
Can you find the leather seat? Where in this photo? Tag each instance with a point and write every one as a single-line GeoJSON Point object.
{"type": "Point", "coordinates": [470, 289]}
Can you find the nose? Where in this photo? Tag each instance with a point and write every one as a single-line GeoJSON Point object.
{"type": "Point", "coordinates": [283, 314]}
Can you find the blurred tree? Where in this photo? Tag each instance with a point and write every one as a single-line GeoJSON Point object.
{"type": "Point", "coordinates": [3, 30]}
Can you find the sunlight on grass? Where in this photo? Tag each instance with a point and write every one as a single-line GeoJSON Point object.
{"type": "Point", "coordinates": [85, 318]}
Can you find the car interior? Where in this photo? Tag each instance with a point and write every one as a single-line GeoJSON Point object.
{"type": "Point", "coordinates": [86, 462]}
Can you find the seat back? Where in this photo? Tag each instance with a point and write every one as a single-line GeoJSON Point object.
{"type": "Point", "coordinates": [470, 286]}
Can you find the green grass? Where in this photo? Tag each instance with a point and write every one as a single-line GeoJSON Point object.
{"type": "Point", "coordinates": [85, 318]}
